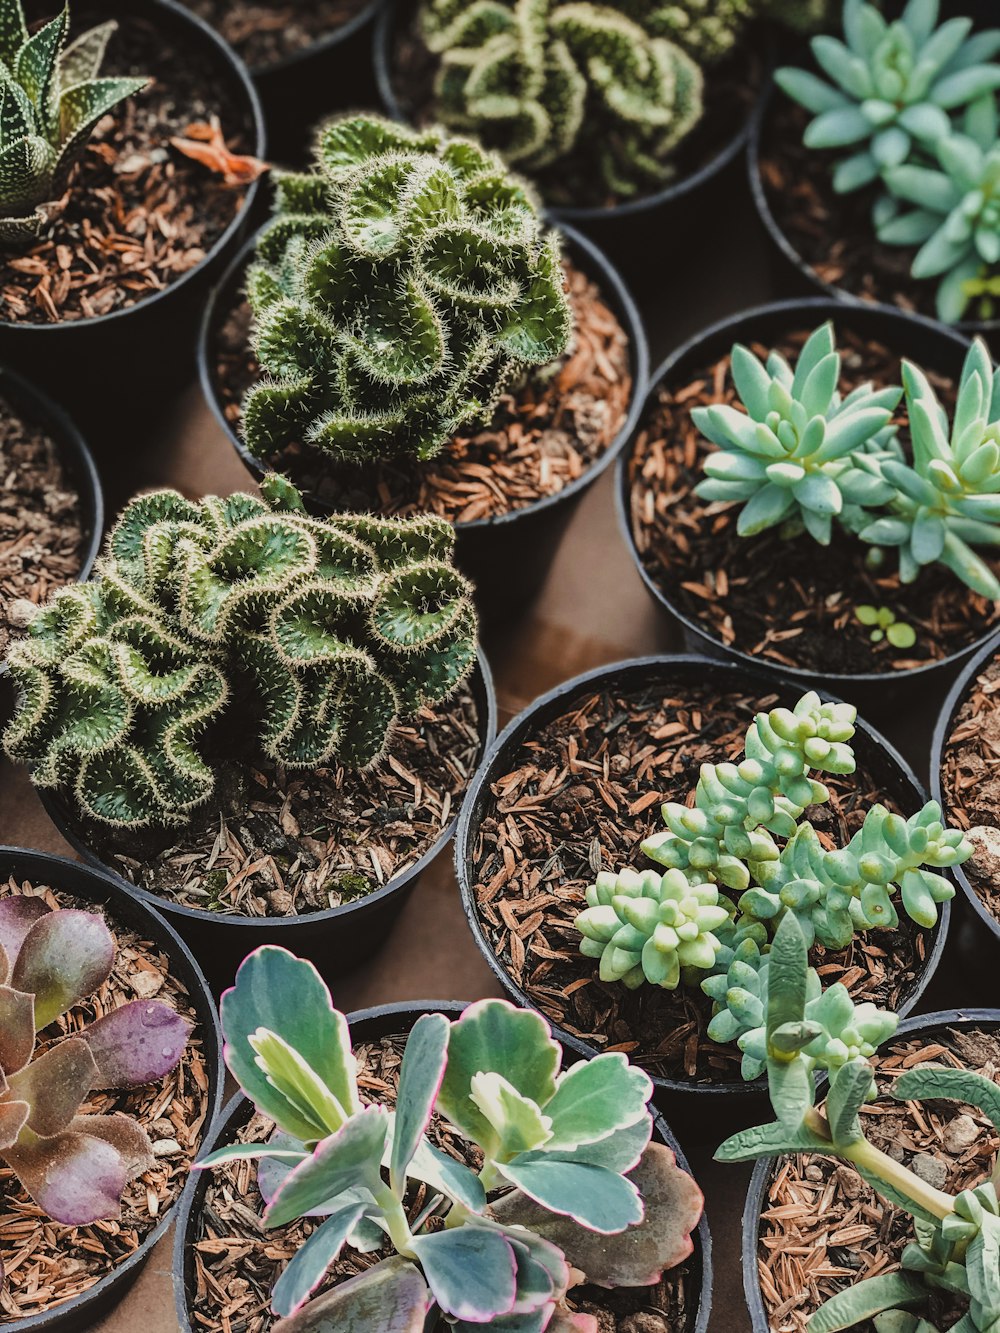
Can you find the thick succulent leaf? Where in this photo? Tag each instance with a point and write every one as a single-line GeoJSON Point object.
{"type": "Point", "coordinates": [37, 65]}
{"type": "Point", "coordinates": [17, 1030]}
{"type": "Point", "coordinates": [82, 106]}
{"type": "Point", "coordinates": [958, 1085]}
{"type": "Point", "coordinates": [286, 995]}
{"type": "Point", "coordinates": [596, 1097]}
{"type": "Point", "coordinates": [565, 1321]}
{"type": "Point", "coordinates": [493, 1036]}
{"type": "Point", "coordinates": [849, 1090]}
{"type": "Point", "coordinates": [75, 1178]}
{"type": "Point", "coordinates": [673, 1204]}
{"type": "Point", "coordinates": [13, 30]}
{"type": "Point", "coordinates": [18, 913]}
{"type": "Point", "coordinates": [259, 1152]}
{"type": "Point", "coordinates": [392, 1297]}
{"type": "Point", "coordinates": [137, 1043]}
{"type": "Point", "coordinates": [64, 958]}
{"type": "Point", "coordinates": [55, 1085]}
{"type": "Point", "coordinates": [470, 1270]}
{"type": "Point", "coordinates": [83, 57]}
{"type": "Point", "coordinates": [307, 1267]}
{"type": "Point", "coordinates": [420, 1078]}
{"type": "Point", "coordinates": [773, 1140]}
{"type": "Point", "coordinates": [447, 1176]}
{"type": "Point", "coordinates": [350, 1158]}
{"type": "Point", "coordinates": [599, 1198]}
{"type": "Point", "coordinates": [296, 1080]}
{"type": "Point", "coordinates": [124, 1134]}
{"type": "Point", "coordinates": [855, 1304]}
{"type": "Point", "coordinates": [13, 1118]}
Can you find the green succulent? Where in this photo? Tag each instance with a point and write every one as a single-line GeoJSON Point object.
{"type": "Point", "coordinates": [891, 87]}
{"type": "Point", "coordinates": [791, 457]}
{"type": "Point", "coordinates": [51, 97]}
{"type": "Point", "coordinates": [955, 213]}
{"type": "Point", "coordinates": [398, 289]}
{"type": "Point", "coordinates": [312, 637]}
{"type": "Point", "coordinates": [539, 80]}
{"type": "Point", "coordinates": [882, 622]}
{"type": "Point", "coordinates": [651, 927]}
{"type": "Point", "coordinates": [708, 30]}
{"type": "Point", "coordinates": [947, 500]}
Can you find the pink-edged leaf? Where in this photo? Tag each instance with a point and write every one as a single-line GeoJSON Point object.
{"type": "Point", "coordinates": [636, 1257]}
{"type": "Point", "coordinates": [55, 1085]}
{"type": "Point", "coordinates": [138, 1043]}
{"type": "Point", "coordinates": [18, 914]}
{"type": "Point", "coordinates": [13, 1118]}
{"type": "Point", "coordinates": [392, 1297]}
{"type": "Point", "coordinates": [565, 1321]}
{"type": "Point", "coordinates": [126, 1136]}
{"type": "Point", "coordinates": [17, 1031]}
{"type": "Point", "coordinates": [65, 957]}
{"type": "Point", "coordinates": [75, 1178]}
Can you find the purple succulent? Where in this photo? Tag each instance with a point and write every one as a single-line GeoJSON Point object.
{"type": "Point", "coordinates": [74, 1166]}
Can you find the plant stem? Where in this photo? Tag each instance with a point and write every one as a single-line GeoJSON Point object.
{"type": "Point", "coordinates": [396, 1221]}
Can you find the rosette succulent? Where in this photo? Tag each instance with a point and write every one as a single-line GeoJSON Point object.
{"type": "Point", "coordinates": [75, 1166]}
{"type": "Point", "coordinates": [398, 289]}
{"type": "Point", "coordinates": [571, 1188]}
{"type": "Point", "coordinates": [891, 88]}
{"type": "Point", "coordinates": [956, 1245]}
{"type": "Point", "coordinates": [539, 80]}
{"type": "Point", "coordinates": [300, 639]}
{"type": "Point", "coordinates": [792, 456]}
{"type": "Point", "coordinates": [51, 98]}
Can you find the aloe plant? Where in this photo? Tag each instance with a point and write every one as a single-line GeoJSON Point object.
{"type": "Point", "coordinates": [571, 1187]}
{"type": "Point", "coordinates": [956, 1245]}
{"type": "Point", "coordinates": [51, 98]}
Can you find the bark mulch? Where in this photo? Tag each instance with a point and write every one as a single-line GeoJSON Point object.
{"type": "Point", "coordinates": [236, 1262]}
{"type": "Point", "coordinates": [47, 1263]}
{"type": "Point", "coordinates": [544, 435]}
{"type": "Point", "coordinates": [578, 798]}
{"type": "Point", "coordinates": [269, 32]}
{"type": "Point", "coordinates": [139, 215]}
{"type": "Point", "coordinates": [824, 1228]}
{"type": "Point", "coordinates": [42, 533]}
{"type": "Point", "coordinates": [787, 599]}
{"type": "Point", "coordinates": [970, 782]}
{"type": "Point", "coordinates": [285, 843]}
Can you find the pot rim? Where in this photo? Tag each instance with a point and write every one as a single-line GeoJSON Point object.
{"type": "Point", "coordinates": [327, 42]}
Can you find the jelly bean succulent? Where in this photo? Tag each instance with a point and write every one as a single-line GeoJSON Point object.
{"type": "Point", "coordinates": [571, 1187]}
{"type": "Point", "coordinates": [302, 640]}
{"type": "Point", "coordinates": [51, 98]}
{"type": "Point", "coordinates": [540, 81]}
{"type": "Point", "coordinates": [398, 289]}
{"type": "Point", "coordinates": [741, 860]}
{"type": "Point", "coordinates": [956, 1245]}
{"type": "Point", "coordinates": [74, 1165]}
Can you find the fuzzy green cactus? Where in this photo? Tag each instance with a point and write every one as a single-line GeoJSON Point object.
{"type": "Point", "coordinates": [791, 457]}
{"type": "Point", "coordinates": [311, 636]}
{"type": "Point", "coordinates": [51, 97]}
{"type": "Point", "coordinates": [397, 291]}
{"type": "Point", "coordinates": [539, 80]}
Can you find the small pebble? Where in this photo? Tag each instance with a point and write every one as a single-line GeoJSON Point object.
{"type": "Point", "coordinates": [930, 1169]}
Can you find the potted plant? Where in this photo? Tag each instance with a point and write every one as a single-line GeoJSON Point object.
{"type": "Point", "coordinates": [51, 508]}
{"type": "Point", "coordinates": [112, 1079]}
{"type": "Point", "coordinates": [258, 720]}
{"type": "Point", "coordinates": [491, 395]}
{"type": "Point", "coordinates": [805, 590]}
{"type": "Point", "coordinates": [872, 164]}
{"type": "Point", "coordinates": [891, 1201]}
{"type": "Point", "coordinates": [568, 800]}
{"type": "Point", "coordinates": [112, 234]}
{"type": "Point", "coordinates": [487, 1241]}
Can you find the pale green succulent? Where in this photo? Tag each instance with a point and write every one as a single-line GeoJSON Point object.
{"type": "Point", "coordinates": [882, 622]}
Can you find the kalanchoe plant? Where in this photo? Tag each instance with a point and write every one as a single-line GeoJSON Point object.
{"type": "Point", "coordinates": [398, 289]}
{"type": "Point", "coordinates": [539, 80]}
{"type": "Point", "coordinates": [891, 87]}
{"type": "Point", "coordinates": [75, 1166]}
{"type": "Point", "coordinates": [571, 1187]}
{"type": "Point", "coordinates": [308, 638]}
{"type": "Point", "coordinates": [51, 97]}
{"type": "Point", "coordinates": [956, 1246]}
{"type": "Point", "coordinates": [743, 836]}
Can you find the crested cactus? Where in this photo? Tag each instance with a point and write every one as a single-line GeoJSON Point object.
{"type": "Point", "coordinates": [708, 30]}
{"type": "Point", "coordinates": [539, 81]}
{"type": "Point", "coordinates": [397, 291]}
{"type": "Point", "coordinates": [51, 97]}
{"type": "Point", "coordinates": [309, 636]}
{"type": "Point", "coordinates": [75, 1166]}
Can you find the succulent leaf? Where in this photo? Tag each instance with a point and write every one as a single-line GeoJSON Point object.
{"type": "Point", "coordinates": [392, 1297]}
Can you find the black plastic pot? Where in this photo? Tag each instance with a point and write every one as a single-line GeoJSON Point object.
{"type": "Point", "coordinates": [507, 557]}
{"type": "Point", "coordinates": [633, 231]}
{"type": "Point", "coordinates": [37, 407]}
{"type": "Point", "coordinates": [929, 1024]}
{"type": "Point", "coordinates": [366, 1025]}
{"type": "Point", "coordinates": [81, 1312]}
{"type": "Point", "coordinates": [792, 274]}
{"type": "Point", "coordinates": [108, 368]}
{"type": "Point", "coordinates": [336, 940]}
{"type": "Point", "coordinates": [879, 695]}
{"type": "Point", "coordinates": [978, 946]}
{"type": "Point", "coordinates": [698, 1108]}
